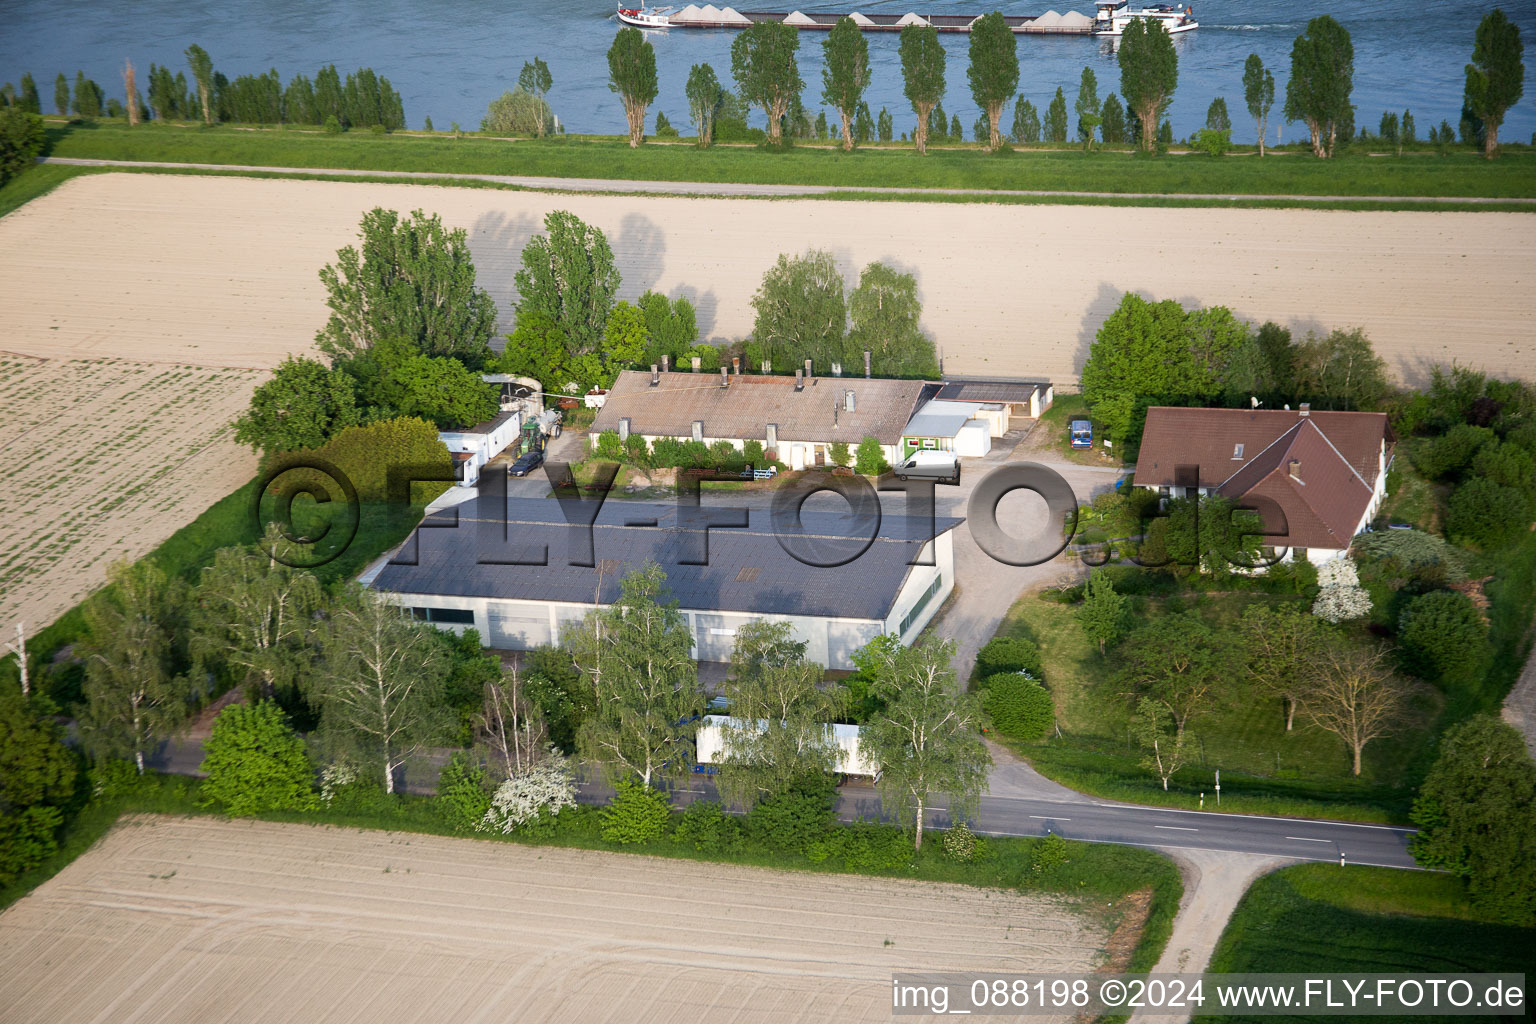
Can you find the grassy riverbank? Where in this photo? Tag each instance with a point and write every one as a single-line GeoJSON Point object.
{"type": "Point", "coordinates": [1357, 173]}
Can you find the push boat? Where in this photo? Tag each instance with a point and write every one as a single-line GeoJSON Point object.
{"type": "Point", "coordinates": [1115, 15]}
{"type": "Point", "coordinates": [646, 17]}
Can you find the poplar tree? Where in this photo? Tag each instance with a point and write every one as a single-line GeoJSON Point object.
{"type": "Point", "coordinates": [131, 94]}
{"type": "Point", "coordinates": [28, 99]}
{"type": "Point", "coordinates": [1026, 122]}
{"type": "Point", "coordinates": [61, 95]}
{"type": "Point", "coordinates": [201, 66]}
{"type": "Point", "coordinates": [763, 64]}
{"type": "Point", "coordinates": [1259, 92]}
{"type": "Point", "coordinates": [536, 80]}
{"type": "Point", "coordinates": [1322, 75]}
{"type": "Point", "coordinates": [1496, 76]}
{"type": "Point", "coordinates": [1149, 74]}
{"type": "Point", "coordinates": [1088, 108]}
{"type": "Point", "coordinates": [994, 69]}
{"type": "Point", "coordinates": [846, 73]}
{"type": "Point", "coordinates": [1113, 128]}
{"type": "Point", "coordinates": [922, 72]}
{"type": "Point", "coordinates": [632, 74]}
{"type": "Point", "coordinates": [1056, 118]}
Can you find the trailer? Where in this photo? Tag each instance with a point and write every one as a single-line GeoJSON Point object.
{"type": "Point", "coordinates": [710, 746]}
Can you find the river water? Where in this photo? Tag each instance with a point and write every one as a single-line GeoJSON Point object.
{"type": "Point", "coordinates": [448, 60]}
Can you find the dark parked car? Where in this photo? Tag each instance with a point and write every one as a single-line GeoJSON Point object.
{"type": "Point", "coordinates": [526, 463]}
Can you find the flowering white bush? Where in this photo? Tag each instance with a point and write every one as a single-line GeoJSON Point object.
{"type": "Point", "coordinates": [334, 777]}
{"type": "Point", "coordinates": [1341, 596]}
{"type": "Point", "coordinates": [547, 786]}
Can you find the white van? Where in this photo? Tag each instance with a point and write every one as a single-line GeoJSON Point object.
{"type": "Point", "coordinates": [943, 467]}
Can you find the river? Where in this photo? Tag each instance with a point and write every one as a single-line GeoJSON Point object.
{"type": "Point", "coordinates": [448, 60]}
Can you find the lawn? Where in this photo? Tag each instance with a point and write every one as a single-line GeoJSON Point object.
{"type": "Point", "coordinates": [1461, 174]}
{"type": "Point", "coordinates": [1264, 769]}
{"type": "Point", "coordinates": [1321, 918]}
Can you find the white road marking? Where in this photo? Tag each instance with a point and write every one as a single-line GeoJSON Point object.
{"type": "Point", "coordinates": [1176, 828]}
{"type": "Point", "coordinates": [1305, 839]}
{"type": "Point", "coordinates": [1049, 817]}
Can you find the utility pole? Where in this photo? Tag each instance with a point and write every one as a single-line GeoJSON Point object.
{"type": "Point", "coordinates": [1218, 787]}
{"type": "Point", "coordinates": [19, 648]}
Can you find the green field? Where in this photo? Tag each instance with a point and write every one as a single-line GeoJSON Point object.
{"type": "Point", "coordinates": [1322, 918]}
{"type": "Point", "coordinates": [1460, 174]}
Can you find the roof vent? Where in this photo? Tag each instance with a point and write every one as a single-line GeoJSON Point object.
{"type": "Point", "coordinates": [799, 380]}
{"type": "Point", "coordinates": [1306, 408]}
{"type": "Point", "coordinates": [849, 402]}
{"type": "Point", "coordinates": [1296, 471]}
{"type": "Point", "coordinates": [807, 367]}
{"type": "Point", "coordinates": [666, 361]}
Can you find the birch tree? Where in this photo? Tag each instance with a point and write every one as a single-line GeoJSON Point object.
{"type": "Point", "coordinates": [254, 612]}
{"type": "Point", "coordinates": [1259, 92]}
{"type": "Point", "coordinates": [927, 738]}
{"type": "Point", "coordinates": [1282, 645]}
{"type": "Point", "coordinates": [704, 99]}
{"type": "Point", "coordinates": [379, 682]}
{"type": "Point", "coordinates": [202, 73]}
{"type": "Point", "coordinates": [1166, 749]}
{"type": "Point", "coordinates": [133, 698]}
{"type": "Point", "coordinates": [509, 728]}
{"type": "Point", "coordinates": [636, 654]}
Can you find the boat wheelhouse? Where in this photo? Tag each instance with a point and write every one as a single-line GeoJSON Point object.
{"type": "Point", "coordinates": [646, 17]}
{"type": "Point", "coordinates": [1115, 15]}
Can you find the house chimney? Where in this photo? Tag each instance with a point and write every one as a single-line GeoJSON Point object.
{"type": "Point", "coordinates": [835, 409]}
{"type": "Point", "coordinates": [736, 364]}
{"type": "Point", "coordinates": [767, 366]}
{"type": "Point", "coordinates": [807, 367]}
{"type": "Point", "coordinates": [698, 430]}
{"type": "Point", "coordinates": [698, 362]}
{"type": "Point", "coordinates": [837, 369]}
{"type": "Point", "coordinates": [666, 361]}
{"type": "Point", "coordinates": [1306, 408]}
{"type": "Point", "coordinates": [725, 377]}
{"type": "Point", "coordinates": [866, 362]}
{"type": "Point", "coordinates": [772, 435]}
{"type": "Point", "coordinates": [624, 428]}
{"type": "Point", "coordinates": [799, 380]}
{"type": "Point", "coordinates": [655, 377]}
{"type": "Point", "coordinates": [1296, 471]}
{"type": "Point", "coordinates": [849, 402]}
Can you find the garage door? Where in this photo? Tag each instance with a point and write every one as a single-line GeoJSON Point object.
{"type": "Point", "coordinates": [518, 629]}
{"type": "Point", "coordinates": [715, 636]}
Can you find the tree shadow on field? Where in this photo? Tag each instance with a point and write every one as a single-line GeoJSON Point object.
{"type": "Point", "coordinates": [496, 242]}
{"type": "Point", "coordinates": [1103, 303]}
{"type": "Point", "coordinates": [639, 250]}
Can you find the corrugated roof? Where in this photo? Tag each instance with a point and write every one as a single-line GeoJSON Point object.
{"type": "Point", "coordinates": [744, 408]}
{"type": "Point", "coordinates": [472, 560]}
{"type": "Point", "coordinates": [1338, 456]}
{"type": "Point", "coordinates": [1013, 392]}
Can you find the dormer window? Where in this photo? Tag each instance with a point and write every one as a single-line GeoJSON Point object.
{"type": "Point", "coordinates": [1237, 451]}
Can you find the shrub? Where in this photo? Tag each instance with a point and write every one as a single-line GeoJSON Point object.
{"type": "Point", "coordinates": [706, 827]}
{"type": "Point", "coordinates": [1340, 596]}
{"type": "Point", "coordinates": [637, 814]}
{"type": "Point", "coordinates": [461, 800]}
{"type": "Point", "coordinates": [114, 779]}
{"type": "Point", "coordinates": [1050, 852]}
{"type": "Point", "coordinates": [518, 112]}
{"type": "Point", "coordinates": [1401, 557]}
{"type": "Point", "coordinates": [637, 452]}
{"type": "Point", "coordinates": [1452, 451]}
{"type": "Point", "coordinates": [752, 453]}
{"type": "Point", "coordinates": [347, 788]}
{"type": "Point", "coordinates": [960, 843]}
{"type": "Point", "coordinates": [256, 762]}
{"type": "Point", "coordinates": [365, 454]}
{"type": "Point", "coordinates": [608, 446]}
{"type": "Point", "coordinates": [865, 846]}
{"type": "Point", "coordinates": [792, 821]}
{"type": "Point", "coordinates": [1441, 634]}
{"type": "Point", "coordinates": [1018, 705]}
{"type": "Point", "coordinates": [378, 129]}
{"type": "Point", "coordinates": [840, 456]}
{"type": "Point", "coordinates": [27, 838]}
{"type": "Point", "coordinates": [1487, 514]}
{"type": "Point", "coordinates": [532, 798]}
{"type": "Point", "coordinates": [869, 458]}
{"type": "Point", "coordinates": [1507, 463]}
{"type": "Point", "coordinates": [724, 455]}
{"type": "Point", "coordinates": [332, 126]}
{"type": "Point", "coordinates": [1010, 654]}
{"type": "Point", "coordinates": [21, 140]}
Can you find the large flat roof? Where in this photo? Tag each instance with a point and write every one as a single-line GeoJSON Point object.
{"type": "Point", "coordinates": [748, 568]}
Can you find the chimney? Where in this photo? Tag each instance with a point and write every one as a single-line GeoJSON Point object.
{"type": "Point", "coordinates": [624, 428]}
{"type": "Point", "coordinates": [835, 409]}
{"type": "Point", "coordinates": [837, 369]}
{"type": "Point", "coordinates": [697, 363]}
{"type": "Point", "coordinates": [773, 439]}
{"type": "Point", "coordinates": [736, 364]}
{"type": "Point", "coordinates": [725, 377]}
{"type": "Point", "coordinates": [799, 380]}
{"type": "Point", "coordinates": [1306, 408]}
{"type": "Point", "coordinates": [848, 401]}
{"type": "Point", "coordinates": [767, 366]}
{"type": "Point", "coordinates": [807, 367]}
{"type": "Point", "coordinates": [698, 430]}
{"type": "Point", "coordinates": [666, 361]}
{"type": "Point", "coordinates": [655, 377]}
{"type": "Point", "coordinates": [866, 362]}
{"type": "Point", "coordinates": [1296, 471]}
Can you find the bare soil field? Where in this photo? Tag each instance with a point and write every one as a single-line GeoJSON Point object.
{"type": "Point", "coordinates": [102, 459]}
{"type": "Point", "coordinates": [171, 919]}
{"type": "Point", "coordinates": [223, 271]}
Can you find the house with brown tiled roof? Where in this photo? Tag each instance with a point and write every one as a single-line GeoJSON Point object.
{"type": "Point", "coordinates": [1316, 478]}
{"type": "Point", "coordinates": [798, 418]}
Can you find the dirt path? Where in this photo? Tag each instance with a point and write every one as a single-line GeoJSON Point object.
{"type": "Point", "coordinates": [198, 920]}
{"type": "Point", "coordinates": [1520, 705]}
{"type": "Point", "coordinates": [1214, 882]}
